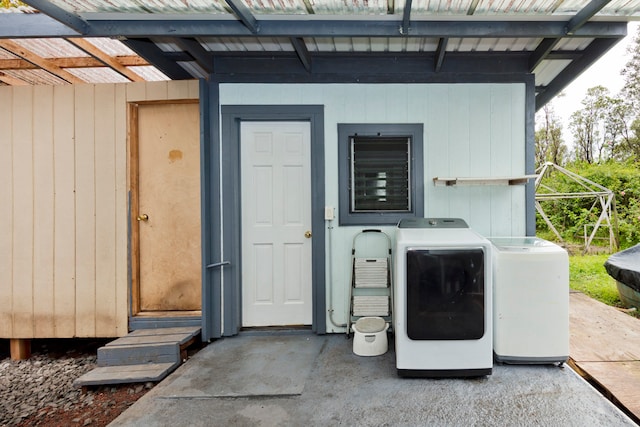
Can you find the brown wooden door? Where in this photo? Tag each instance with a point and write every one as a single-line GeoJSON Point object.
{"type": "Point", "coordinates": [165, 208]}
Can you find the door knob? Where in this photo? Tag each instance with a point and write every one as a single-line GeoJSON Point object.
{"type": "Point", "coordinates": [143, 217]}
{"type": "Point", "coordinates": [307, 234]}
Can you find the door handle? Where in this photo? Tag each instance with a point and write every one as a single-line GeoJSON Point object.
{"type": "Point", "coordinates": [143, 217]}
{"type": "Point", "coordinates": [307, 234]}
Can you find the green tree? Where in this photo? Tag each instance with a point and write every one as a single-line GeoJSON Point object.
{"type": "Point", "coordinates": [619, 136]}
{"type": "Point", "coordinates": [631, 74]}
{"type": "Point", "coordinates": [630, 94]}
{"type": "Point", "coordinates": [602, 128]}
{"type": "Point", "coordinates": [550, 146]}
{"type": "Point", "coordinates": [586, 125]}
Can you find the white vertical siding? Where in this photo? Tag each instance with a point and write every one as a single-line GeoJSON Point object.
{"type": "Point", "coordinates": [470, 130]}
{"type": "Point", "coordinates": [63, 207]}
{"type": "Point", "coordinates": [6, 211]}
{"type": "Point", "coordinates": [23, 218]}
{"type": "Point", "coordinates": [43, 196]}
{"type": "Point", "coordinates": [64, 215]}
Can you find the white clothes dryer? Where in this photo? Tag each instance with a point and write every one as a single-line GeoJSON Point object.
{"type": "Point", "coordinates": [443, 299]}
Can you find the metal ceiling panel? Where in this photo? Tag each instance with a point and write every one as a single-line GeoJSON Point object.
{"type": "Point", "coordinates": [483, 7]}
{"type": "Point", "coordinates": [613, 8]}
{"type": "Point", "coordinates": [622, 7]}
{"type": "Point", "coordinates": [193, 68]}
{"type": "Point", "coordinates": [98, 75]}
{"type": "Point", "coordinates": [573, 44]}
{"type": "Point", "coordinates": [35, 77]}
{"type": "Point", "coordinates": [350, 7]}
{"type": "Point", "coordinates": [110, 46]}
{"type": "Point", "coordinates": [548, 70]}
{"type": "Point", "coordinates": [246, 44]}
{"type": "Point", "coordinates": [149, 73]}
{"type": "Point", "coordinates": [51, 48]}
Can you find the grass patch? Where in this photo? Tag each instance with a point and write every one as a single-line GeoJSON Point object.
{"type": "Point", "coordinates": [587, 275]}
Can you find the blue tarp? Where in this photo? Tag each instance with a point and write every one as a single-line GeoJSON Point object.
{"type": "Point", "coordinates": [624, 266]}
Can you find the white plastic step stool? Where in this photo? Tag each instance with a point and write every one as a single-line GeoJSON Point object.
{"type": "Point", "coordinates": [370, 336]}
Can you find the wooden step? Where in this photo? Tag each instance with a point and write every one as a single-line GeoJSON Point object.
{"type": "Point", "coordinates": [143, 355]}
{"type": "Point", "coordinates": [115, 355]}
{"type": "Point", "coordinates": [126, 374]}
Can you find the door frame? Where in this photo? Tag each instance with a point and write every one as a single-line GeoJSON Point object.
{"type": "Point", "coordinates": [230, 307]}
{"type": "Point", "coordinates": [147, 321]}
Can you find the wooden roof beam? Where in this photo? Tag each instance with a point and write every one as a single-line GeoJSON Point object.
{"type": "Point", "coordinates": [71, 62]}
{"type": "Point", "coordinates": [105, 58]}
{"type": "Point", "coordinates": [41, 62]}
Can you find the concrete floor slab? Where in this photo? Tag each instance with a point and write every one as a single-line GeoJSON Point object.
{"type": "Point", "coordinates": [344, 389]}
{"type": "Point", "coordinates": [246, 366]}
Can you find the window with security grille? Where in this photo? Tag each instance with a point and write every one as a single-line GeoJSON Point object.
{"type": "Point", "coordinates": [380, 173]}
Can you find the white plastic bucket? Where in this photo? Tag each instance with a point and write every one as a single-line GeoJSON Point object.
{"type": "Point", "coordinates": [370, 336]}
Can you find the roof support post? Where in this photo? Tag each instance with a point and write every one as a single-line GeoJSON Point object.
{"type": "Point", "coordinates": [302, 52]}
{"type": "Point", "coordinates": [440, 52]}
{"type": "Point", "coordinates": [154, 55]}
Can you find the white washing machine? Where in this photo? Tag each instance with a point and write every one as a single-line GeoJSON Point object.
{"type": "Point", "coordinates": [443, 302]}
{"type": "Point", "coordinates": [530, 301]}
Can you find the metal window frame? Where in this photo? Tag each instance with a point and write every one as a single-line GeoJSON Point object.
{"type": "Point", "coordinates": [415, 131]}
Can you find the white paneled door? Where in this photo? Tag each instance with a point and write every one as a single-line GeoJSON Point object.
{"type": "Point", "coordinates": [276, 223]}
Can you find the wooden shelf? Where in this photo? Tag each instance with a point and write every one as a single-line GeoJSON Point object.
{"type": "Point", "coordinates": [489, 180]}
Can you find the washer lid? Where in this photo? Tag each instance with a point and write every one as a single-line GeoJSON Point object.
{"type": "Point", "coordinates": [523, 244]}
{"type": "Point", "coordinates": [432, 223]}
{"type": "Point", "coordinates": [370, 325]}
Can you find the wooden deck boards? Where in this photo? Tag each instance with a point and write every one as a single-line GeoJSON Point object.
{"type": "Point", "coordinates": [605, 349]}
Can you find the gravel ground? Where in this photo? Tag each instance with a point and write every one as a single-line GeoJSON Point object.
{"type": "Point", "coordinates": [40, 391]}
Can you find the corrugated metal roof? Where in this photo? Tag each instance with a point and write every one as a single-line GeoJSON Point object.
{"type": "Point", "coordinates": [186, 38]}
{"type": "Point", "coordinates": [51, 48]}
{"type": "Point", "coordinates": [31, 55]}
{"type": "Point", "coordinates": [351, 7]}
{"type": "Point", "coordinates": [141, 6]}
